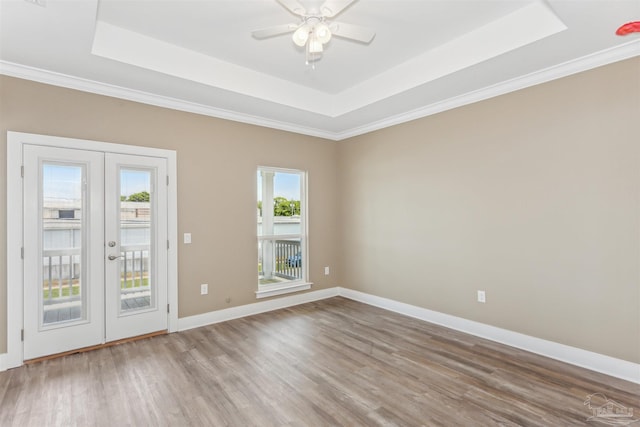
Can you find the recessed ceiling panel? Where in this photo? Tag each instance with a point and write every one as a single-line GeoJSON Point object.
{"type": "Point", "coordinates": [222, 29]}
{"type": "Point", "coordinates": [460, 47]}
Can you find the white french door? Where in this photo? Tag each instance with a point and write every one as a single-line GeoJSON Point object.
{"type": "Point", "coordinates": [95, 253]}
{"type": "Point", "coordinates": [136, 248]}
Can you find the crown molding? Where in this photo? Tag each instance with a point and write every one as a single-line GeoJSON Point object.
{"type": "Point", "coordinates": [91, 86]}
{"type": "Point", "coordinates": [598, 59]}
{"type": "Point", "coordinates": [585, 63]}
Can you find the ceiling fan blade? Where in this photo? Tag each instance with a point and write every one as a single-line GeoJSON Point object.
{"type": "Point", "coordinates": [265, 33]}
{"type": "Point", "coordinates": [293, 6]}
{"type": "Point", "coordinates": [353, 32]}
{"type": "Point", "coordinates": [331, 8]}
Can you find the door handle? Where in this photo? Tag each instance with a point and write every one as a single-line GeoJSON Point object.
{"type": "Point", "coordinates": [114, 257]}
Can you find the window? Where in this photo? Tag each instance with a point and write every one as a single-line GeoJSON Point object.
{"type": "Point", "coordinates": [66, 214]}
{"type": "Point", "coordinates": [282, 232]}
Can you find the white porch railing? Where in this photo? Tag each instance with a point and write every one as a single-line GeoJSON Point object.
{"type": "Point", "coordinates": [286, 260]}
{"type": "Point", "coordinates": [134, 274]}
{"type": "Point", "coordinates": [62, 270]}
{"type": "Point", "coordinates": [61, 275]}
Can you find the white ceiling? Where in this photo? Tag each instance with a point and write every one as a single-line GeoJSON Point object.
{"type": "Point", "coordinates": [199, 56]}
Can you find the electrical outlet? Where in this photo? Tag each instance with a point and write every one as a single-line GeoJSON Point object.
{"type": "Point", "coordinates": [326, 271]}
{"type": "Point", "coordinates": [204, 289]}
{"type": "Point", "coordinates": [482, 297]}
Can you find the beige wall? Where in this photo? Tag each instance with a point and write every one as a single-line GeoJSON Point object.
{"type": "Point", "coordinates": [533, 197]}
{"type": "Point", "coordinates": [217, 163]}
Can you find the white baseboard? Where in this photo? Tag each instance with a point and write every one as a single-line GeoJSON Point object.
{"type": "Point", "coordinates": [575, 356]}
{"type": "Point", "coordinates": [11, 359]}
{"type": "Point", "coordinates": [254, 308]}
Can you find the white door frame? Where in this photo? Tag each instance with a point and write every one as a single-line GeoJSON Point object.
{"type": "Point", "coordinates": [15, 142]}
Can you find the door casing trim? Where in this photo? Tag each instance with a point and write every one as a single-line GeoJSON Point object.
{"type": "Point", "coordinates": [15, 142]}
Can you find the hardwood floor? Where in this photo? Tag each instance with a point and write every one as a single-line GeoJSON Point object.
{"type": "Point", "coordinates": [328, 363]}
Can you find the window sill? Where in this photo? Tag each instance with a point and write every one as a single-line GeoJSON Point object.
{"type": "Point", "coordinates": [282, 289]}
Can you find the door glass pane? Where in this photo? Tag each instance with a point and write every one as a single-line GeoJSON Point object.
{"type": "Point", "coordinates": [63, 287]}
{"type": "Point", "coordinates": [136, 287]}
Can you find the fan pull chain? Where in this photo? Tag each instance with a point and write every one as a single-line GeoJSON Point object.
{"type": "Point", "coordinates": [309, 58]}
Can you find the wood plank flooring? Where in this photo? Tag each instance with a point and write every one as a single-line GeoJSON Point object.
{"type": "Point", "coordinates": [334, 362]}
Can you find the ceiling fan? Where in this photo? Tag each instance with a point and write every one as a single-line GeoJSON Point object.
{"type": "Point", "coordinates": [316, 26]}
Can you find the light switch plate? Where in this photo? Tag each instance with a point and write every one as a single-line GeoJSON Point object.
{"type": "Point", "coordinates": [482, 297]}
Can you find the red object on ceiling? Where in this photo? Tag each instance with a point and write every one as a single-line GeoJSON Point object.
{"type": "Point", "coordinates": [628, 28]}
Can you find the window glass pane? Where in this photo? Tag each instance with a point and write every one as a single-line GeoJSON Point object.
{"type": "Point", "coordinates": [286, 203]}
{"type": "Point", "coordinates": [279, 212]}
{"type": "Point", "coordinates": [284, 196]}
{"type": "Point", "coordinates": [288, 259]}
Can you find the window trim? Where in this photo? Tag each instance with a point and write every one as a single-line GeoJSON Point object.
{"type": "Point", "coordinates": [274, 289]}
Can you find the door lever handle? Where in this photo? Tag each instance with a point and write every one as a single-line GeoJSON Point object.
{"type": "Point", "coordinates": [114, 257]}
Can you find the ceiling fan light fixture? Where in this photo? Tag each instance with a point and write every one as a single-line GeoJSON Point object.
{"type": "Point", "coordinates": [315, 28]}
{"type": "Point", "coordinates": [322, 33]}
{"type": "Point", "coordinates": [315, 45]}
{"type": "Point", "coordinates": [301, 35]}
